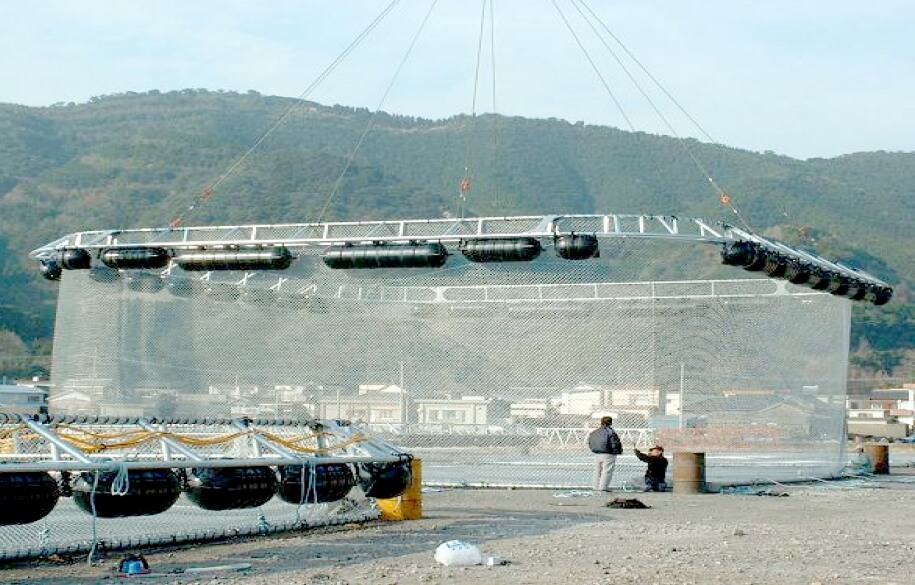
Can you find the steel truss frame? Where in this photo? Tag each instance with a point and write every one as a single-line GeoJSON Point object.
{"type": "Point", "coordinates": [444, 230]}
{"type": "Point", "coordinates": [64, 456]}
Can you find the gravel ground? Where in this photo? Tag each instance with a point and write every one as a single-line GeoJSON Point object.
{"type": "Point", "coordinates": [849, 531]}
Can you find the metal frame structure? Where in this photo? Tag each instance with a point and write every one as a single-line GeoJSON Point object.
{"type": "Point", "coordinates": [63, 456]}
{"type": "Point", "coordinates": [452, 231]}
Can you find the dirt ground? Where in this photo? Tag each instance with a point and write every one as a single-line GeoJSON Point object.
{"type": "Point", "coordinates": [852, 531]}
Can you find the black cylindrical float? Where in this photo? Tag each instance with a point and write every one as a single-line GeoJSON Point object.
{"type": "Point", "coordinates": [247, 258]}
{"type": "Point", "coordinates": [424, 255]}
{"type": "Point", "coordinates": [231, 488]}
{"type": "Point", "coordinates": [839, 286]}
{"type": "Point", "coordinates": [775, 266]}
{"type": "Point", "coordinates": [737, 253]}
{"type": "Point", "coordinates": [26, 497]}
{"type": "Point", "coordinates": [136, 257]}
{"type": "Point", "coordinates": [149, 491]}
{"type": "Point", "coordinates": [797, 273]}
{"type": "Point", "coordinates": [384, 480]}
{"type": "Point", "coordinates": [501, 250]}
{"type": "Point", "coordinates": [49, 268]}
{"type": "Point", "coordinates": [819, 279]}
{"type": "Point", "coordinates": [74, 259]}
{"type": "Point", "coordinates": [882, 295]}
{"type": "Point", "coordinates": [304, 484]}
{"type": "Point", "coordinates": [145, 282]}
{"type": "Point", "coordinates": [857, 291]}
{"type": "Point", "coordinates": [759, 259]}
{"type": "Point", "coordinates": [577, 246]}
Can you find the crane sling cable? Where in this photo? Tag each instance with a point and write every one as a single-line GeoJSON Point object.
{"type": "Point", "coordinates": [466, 182]}
{"type": "Point", "coordinates": [370, 124]}
{"type": "Point", "coordinates": [594, 66]}
{"type": "Point", "coordinates": [723, 197]}
{"type": "Point", "coordinates": [208, 190]}
{"type": "Point", "coordinates": [495, 118]}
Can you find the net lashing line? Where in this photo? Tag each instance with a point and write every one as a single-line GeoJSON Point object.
{"type": "Point", "coordinates": [104, 441]}
{"type": "Point", "coordinates": [304, 492]}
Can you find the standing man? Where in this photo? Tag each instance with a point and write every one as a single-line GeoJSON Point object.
{"type": "Point", "coordinates": [606, 445]}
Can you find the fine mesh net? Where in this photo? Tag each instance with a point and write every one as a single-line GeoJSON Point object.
{"type": "Point", "coordinates": [490, 373]}
{"type": "Point", "coordinates": [112, 508]}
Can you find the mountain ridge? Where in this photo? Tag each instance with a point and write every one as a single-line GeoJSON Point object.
{"type": "Point", "coordinates": [140, 159]}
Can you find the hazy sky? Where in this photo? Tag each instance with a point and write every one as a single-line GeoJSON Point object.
{"type": "Point", "coordinates": [805, 78]}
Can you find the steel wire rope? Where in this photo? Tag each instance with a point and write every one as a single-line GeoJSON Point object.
{"type": "Point", "coordinates": [465, 183]}
{"type": "Point", "coordinates": [495, 117]}
{"type": "Point", "coordinates": [371, 121]}
{"type": "Point", "coordinates": [594, 66]}
{"type": "Point", "coordinates": [208, 189]}
{"type": "Point", "coordinates": [723, 197]}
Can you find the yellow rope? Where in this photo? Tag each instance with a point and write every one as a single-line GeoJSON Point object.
{"type": "Point", "coordinates": [93, 441]}
{"type": "Point", "coordinates": [6, 433]}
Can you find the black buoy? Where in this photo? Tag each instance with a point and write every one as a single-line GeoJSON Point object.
{"type": "Point", "coordinates": [775, 266]}
{"type": "Point", "coordinates": [247, 258]}
{"type": "Point", "coordinates": [577, 246]}
{"type": "Point", "coordinates": [882, 295]}
{"type": "Point", "coordinates": [797, 273]}
{"type": "Point", "coordinates": [26, 497]}
{"type": "Point", "coordinates": [135, 257]}
{"type": "Point", "coordinates": [759, 259]}
{"type": "Point", "coordinates": [324, 482]}
{"type": "Point", "coordinates": [231, 488]}
{"type": "Point", "coordinates": [501, 250]}
{"type": "Point", "coordinates": [384, 480]}
{"type": "Point", "coordinates": [74, 259]}
{"type": "Point", "coordinates": [149, 492]}
{"type": "Point", "coordinates": [838, 285]}
{"type": "Point", "coordinates": [413, 255]}
{"type": "Point", "coordinates": [819, 279]}
{"type": "Point", "coordinates": [49, 268]}
{"type": "Point", "coordinates": [739, 253]}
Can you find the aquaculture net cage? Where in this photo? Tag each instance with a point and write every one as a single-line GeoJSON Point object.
{"type": "Point", "coordinates": [86, 484]}
{"type": "Point", "coordinates": [491, 373]}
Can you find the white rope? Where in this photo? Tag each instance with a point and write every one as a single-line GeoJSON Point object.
{"type": "Point", "coordinates": [120, 486]}
{"type": "Point", "coordinates": [91, 558]}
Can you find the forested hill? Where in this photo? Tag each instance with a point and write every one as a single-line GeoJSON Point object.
{"type": "Point", "coordinates": [140, 159]}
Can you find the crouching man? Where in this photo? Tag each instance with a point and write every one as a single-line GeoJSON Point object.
{"type": "Point", "coordinates": [655, 475]}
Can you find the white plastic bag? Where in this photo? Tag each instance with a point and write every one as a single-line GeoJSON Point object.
{"type": "Point", "coordinates": [458, 553]}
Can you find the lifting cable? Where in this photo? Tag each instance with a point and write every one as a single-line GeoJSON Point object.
{"type": "Point", "coordinates": [370, 124]}
{"type": "Point", "coordinates": [208, 190]}
{"type": "Point", "coordinates": [600, 76]}
{"type": "Point", "coordinates": [495, 117]}
{"type": "Point", "coordinates": [591, 18]}
{"type": "Point", "coordinates": [465, 183]}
